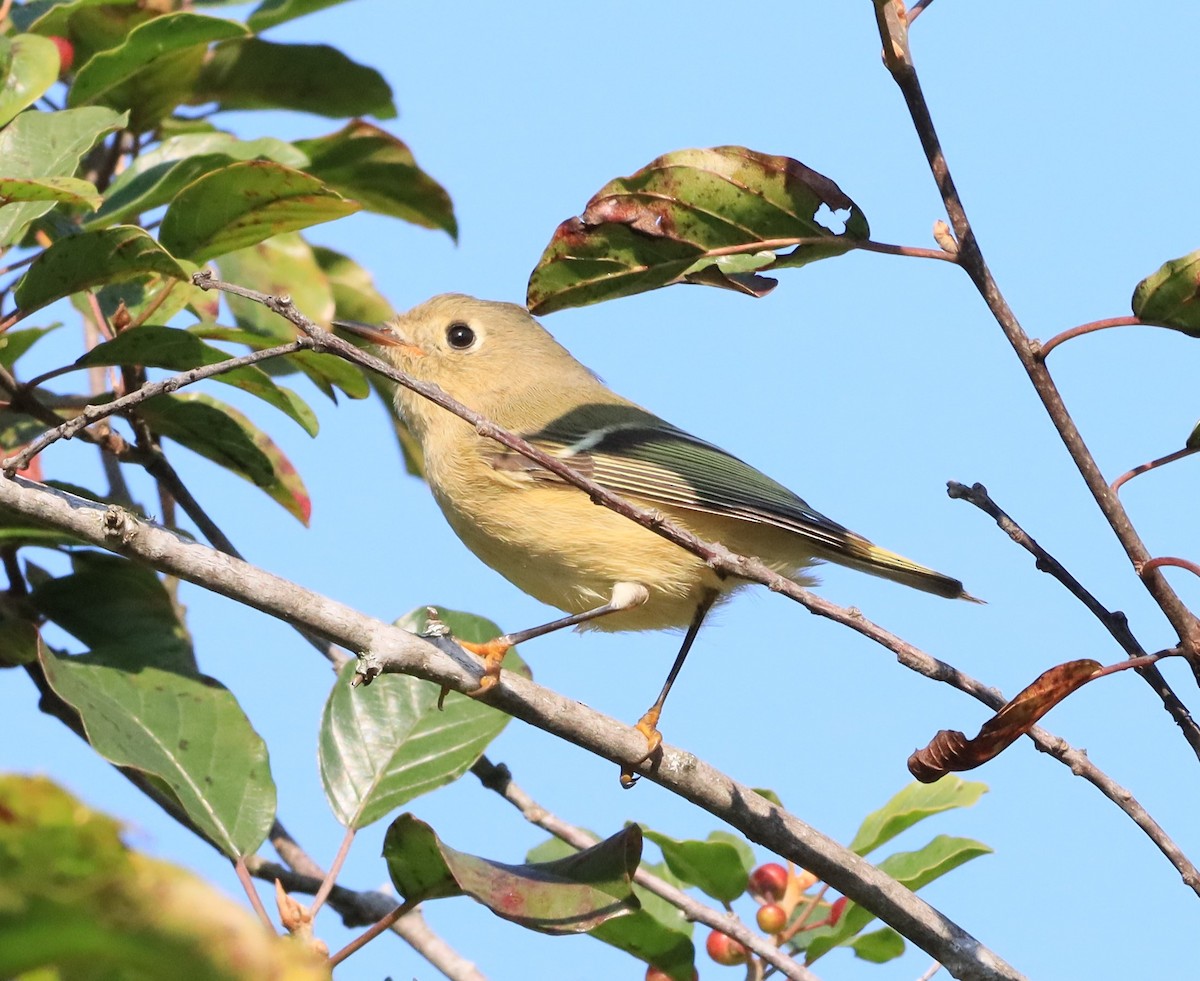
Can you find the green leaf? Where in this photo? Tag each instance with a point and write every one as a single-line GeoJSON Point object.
{"type": "Point", "coordinates": [572, 895]}
{"type": "Point", "coordinates": [14, 343]}
{"type": "Point", "coordinates": [179, 350]}
{"type": "Point", "coordinates": [28, 67]}
{"type": "Point", "coordinates": [243, 204]}
{"type": "Point", "coordinates": [110, 602]}
{"type": "Point", "coordinates": [69, 189]}
{"type": "Point", "coordinates": [222, 434]}
{"type": "Point", "coordinates": [47, 144]}
{"type": "Point", "coordinates": [90, 259]}
{"type": "Point", "coordinates": [185, 730]}
{"type": "Point", "coordinates": [1171, 295]}
{"type": "Point", "coordinates": [155, 178]}
{"type": "Point", "coordinates": [354, 294]}
{"type": "Point", "coordinates": [910, 869]}
{"type": "Point", "coordinates": [912, 804]}
{"type": "Point", "coordinates": [1193, 440]}
{"type": "Point", "coordinates": [769, 795]}
{"type": "Point", "coordinates": [18, 641]}
{"type": "Point", "coordinates": [717, 867]}
{"type": "Point", "coordinates": [693, 216]}
{"type": "Point", "coordinates": [271, 12]}
{"type": "Point", "coordinates": [379, 171]}
{"type": "Point", "coordinates": [385, 743]}
{"type": "Point", "coordinates": [161, 36]}
{"type": "Point", "coordinates": [316, 78]}
{"type": "Point", "coordinates": [878, 946]}
{"type": "Point", "coordinates": [283, 264]}
{"type": "Point", "coordinates": [151, 296]}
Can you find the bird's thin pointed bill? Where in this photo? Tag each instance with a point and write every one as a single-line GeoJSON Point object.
{"type": "Point", "coordinates": [384, 336]}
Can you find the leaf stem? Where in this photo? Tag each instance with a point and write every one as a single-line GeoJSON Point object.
{"type": "Point", "coordinates": [370, 933]}
{"type": "Point", "coordinates": [331, 876]}
{"type": "Point", "coordinates": [243, 875]}
{"type": "Point", "coordinates": [1041, 351]}
{"type": "Point", "coordinates": [1151, 465]}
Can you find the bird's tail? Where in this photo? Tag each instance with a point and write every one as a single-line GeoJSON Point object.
{"type": "Point", "coordinates": [859, 553]}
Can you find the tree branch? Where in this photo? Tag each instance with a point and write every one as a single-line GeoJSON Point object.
{"type": "Point", "coordinates": [446, 665]}
{"type": "Point", "coordinates": [898, 58]}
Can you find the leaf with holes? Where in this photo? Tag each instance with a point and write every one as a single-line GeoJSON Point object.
{"type": "Point", "coordinates": [244, 203]}
{"type": "Point", "coordinates": [572, 895]}
{"type": "Point", "coordinates": [713, 217]}
{"type": "Point", "coordinates": [385, 743]}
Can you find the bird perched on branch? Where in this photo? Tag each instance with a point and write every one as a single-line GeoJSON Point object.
{"type": "Point", "coordinates": [551, 540]}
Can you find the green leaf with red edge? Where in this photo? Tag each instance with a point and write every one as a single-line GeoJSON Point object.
{"type": "Point", "coordinates": [658, 933]}
{"type": "Point", "coordinates": [47, 144]}
{"type": "Point", "coordinates": [91, 259]}
{"type": "Point", "coordinates": [713, 217]}
{"type": "Point", "coordinates": [244, 203]}
{"type": "Point", "coordinates": [911, 869]}
{"type": "Point", "coordinates": [912, 804]}
{"type": "Point", "coordinates": [716, 866]}
{"type": "Point", "coordinates": [71, 190]}
{"type": "Point", "coordinates": [103, 75]}
{"type": "Point", "coordinates": [281, 264]}
{"type": "Point", "coordinates": [269, 13]}
{"type": "Point", "coordinates": [222, 434]}
{"type": "Point", "coordinates": [186, 730]}
{"type": "Point", "coordinates": [1170, 296]}
{"type": "Point", "coordinates": [571, 895]}
{"type": "Point", "coordinates": [385, 743]}
{"type": "Point", "coordinates": [179, 350]}
{"type": "Point", "coordinates": [28, 67]}
{"type": "Point", "coordinates": [378, 170]}
{"type": "Point", "coordinates": [316, 78]}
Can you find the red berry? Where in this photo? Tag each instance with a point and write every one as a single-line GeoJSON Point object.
{"type": "Point", "coordinates": [769, 881]}
{"type": "Point", "coordinates": [658, 974]}
{"type": "Point", "coordinates": [835, 910]}
{"type": "Point", "coordinates": [772, 918]}
{"type": "Point", "coordinates": [66, 53]}
{"type": "Point", "coordinates": [723, 949]}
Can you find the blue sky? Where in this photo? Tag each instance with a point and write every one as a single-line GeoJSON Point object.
{"type": "Point", "coordinates": [864, 383]}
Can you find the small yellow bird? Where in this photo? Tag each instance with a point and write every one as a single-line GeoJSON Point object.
{"type": "Point", "coordinates": [547, 537]}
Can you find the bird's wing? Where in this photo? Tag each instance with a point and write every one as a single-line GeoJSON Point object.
{"type": "Point", "coordinates": [649, 460]}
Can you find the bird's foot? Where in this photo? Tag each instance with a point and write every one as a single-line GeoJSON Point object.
{"type": "Point", "coordinates": [648, 726]}
{"type": "Point", "coordinates": [492, 651]}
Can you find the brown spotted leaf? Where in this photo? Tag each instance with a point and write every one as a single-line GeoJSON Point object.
{"type": "Point", "coordinates": [951, 750]}
{"type": "Point", "coordinates": [571, 895]}
{"type": "Point", "coordinates": [715, 217]}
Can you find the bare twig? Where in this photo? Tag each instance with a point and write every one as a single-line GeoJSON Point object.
{"type": "Point", "coordinates": [94, 413]}
{"type": "Point", "coordinates": [499, 779]}
{"type": "Point", "coordinates": [1153, 464]}
{"type": "Point", "coordinates": [898, 58]}
{"type": "Point", "coordinates": [1042, 350]}
{"type": "Point", "coordinates": [1114, 622]}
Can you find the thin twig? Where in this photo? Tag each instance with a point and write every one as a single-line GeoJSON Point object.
{"type": "Point", "coordinates": [371, 933]}
{"type": "Point", "coordinates": [94, 413]}
{"type": "Point", "coordinates": [898, 58]}
{"type": "Point", "coordinates": [243, 875]}
{"type": "Point", "coordinates": [1041, 351]}
{"type": "Point", "coordinates": [1153, 464]}
{"type": "Point", "coordinates": [933, 969]}
{"type": "Point", "coordinates": [499, 779]}
{"type": "Point", "coordinates": [1115, 623]}
{"type": "Point", "coordinates": [334, 871]}
{"type": "Point", "coordinates": [1163, 561]}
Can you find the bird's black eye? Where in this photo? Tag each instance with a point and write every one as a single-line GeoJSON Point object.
{"type": "Point", "coordinates": [460, 336]}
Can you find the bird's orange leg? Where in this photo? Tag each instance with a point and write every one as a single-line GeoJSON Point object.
{"type": "Point", "coordinates": [647, 725]}
{"type": "Point", "coordinates": [625, 596]}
